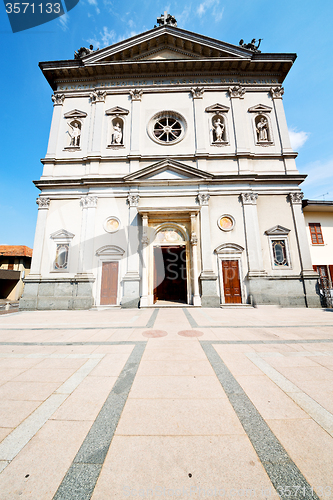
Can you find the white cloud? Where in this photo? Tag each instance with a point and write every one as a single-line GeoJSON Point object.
{"type": "Point", "coordinates": [183, 16]}
{"type": "Point", "coordinates": [207, 4]}
{"type": "Point", "coordinates": [64, 20]}
{"type": "Point", "coordinates": [297, 139]}
{"type": "Point", "coordinates": [319, 180]}
{"type": "Point", "coordinates": [131, 23]}
{"type": "Point", "coordinates": [92, 2]}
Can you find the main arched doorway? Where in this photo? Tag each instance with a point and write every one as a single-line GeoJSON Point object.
{"type": "Point", "coordinates": [170, 256]}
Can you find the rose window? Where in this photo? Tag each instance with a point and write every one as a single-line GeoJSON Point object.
{"type": "Point", "coordinates": [167, 128]}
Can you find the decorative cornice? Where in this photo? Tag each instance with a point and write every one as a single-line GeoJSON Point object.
{"type": "Point", "coordinates": [277, 92]}
{"type": "Point", "coordinates": [197, 92]}
{"type": "Point", "coordinates": [97, 96]}
{"type": "Point", "coordinates": [136, 94]}
{"type": "Point", "coordinates": [296, 198]}
{"type": "Point", "coordinates": [237, 91]}
{"type": "Point", "coordinates": [117, 110]}
{"type": "Point", "coordinates": [217, 108]}
{"type": "Point", "coordinates": [203, 198]}
{"type": "Point", "coordinates": [133, 200]}
{"type": "Point", "coordinates": [58, 99]}
{"type": "Point", "coordinates": [43, 203]}
{"type": "Point", "coordinates": [249, 198]}
{"type": "Point", "coordinates": [88, 201]}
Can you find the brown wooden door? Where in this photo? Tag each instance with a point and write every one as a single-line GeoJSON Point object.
{"type": "Point", "coordinates": [109, 285]}
{"type": "Point", "coordinates": [231, 282]}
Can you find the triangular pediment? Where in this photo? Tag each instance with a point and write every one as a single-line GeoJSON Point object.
{"type": "Point", "coordinates": [117, 110]}
{"type": "Point", "coordinates": [75, 113]}
{"type": "Point", "coordinates": [62, 234]}
{"type": "Point", "coordinates": [167, 42]}
{"type": "Point", "coordinates": [277, 231]}
{"type": "Point", "coordinates": [217, 108]}
{"type": "Point", "coordinates": [260, 108]}
{"type": "Point", "coordinates": [168, 170]}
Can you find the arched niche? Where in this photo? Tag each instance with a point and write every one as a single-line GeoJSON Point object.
{"type": "Point", "coordinates": [117, 131]}
{"type": "Point", "coordinates": [263, 129]}
{"type": "Point", "coordinates": [218, 129]}
{"type": "Point", "coordinates": [74, 132]}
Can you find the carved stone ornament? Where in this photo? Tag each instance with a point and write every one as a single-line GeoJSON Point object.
{"type": "Point", "coordinates": [203, 198]}
{"type": "Point", "coordinates": [88, 201]}
{"type": "Point", "coordinates": [136, 94]}
{"type": "Point", "coordinates": [133, 200]}
{"type": "Point", "coordinates": [97, 96]}
{"type": "Point", "coordinates": [249, 198]}
{"type": "Point", "coordinates": [197, 92]}
{"type": "Point", "coordinates": [43, 203]}
{"type": "Point", "coordinates": [296, 198]}
{"type": "Point", "coordinates": [237, 91]}
{"type": "Point", "coordinates": [58, 99]}
{"type": "Point", "coordinates": [166, 19]}
{"type": "Point", "coordinates": [277, 92]}
{"type": "Point", "coordinates": [194, 238]}
{"type": "Point", "coordinates": [145, 239]}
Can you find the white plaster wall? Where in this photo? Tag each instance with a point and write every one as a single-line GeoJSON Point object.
{"type": "Point", "coordinates": [62, 214]}
{"type": "Point", "coordinates": [321, 254]}
{"type": "Point", "coordinates": [220, 205]}
{"type": "Point", "coordinates": [275, 210]}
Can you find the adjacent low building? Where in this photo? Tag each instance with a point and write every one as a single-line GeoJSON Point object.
{"type": "Point", "coordinates": [15, 262]}
{"type": "Point", "coordinates": [319, 221]}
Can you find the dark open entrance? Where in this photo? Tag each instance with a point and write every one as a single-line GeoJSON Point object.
{"type": "Point", "coordinates": [170, 263]}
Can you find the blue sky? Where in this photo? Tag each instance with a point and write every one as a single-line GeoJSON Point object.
{"type": "Point", "coordinates": [300, 26]}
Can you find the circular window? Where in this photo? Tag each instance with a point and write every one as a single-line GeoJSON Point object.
{"type": "Point", "coordinates": [167, 127]}
{"type": "Point", "coordinates": [226, 222]}
{"type": "Point", "coordinates": [112, 224]}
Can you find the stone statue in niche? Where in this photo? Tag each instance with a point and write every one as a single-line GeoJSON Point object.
{"type": "Point", "coordinates": [218, 129]}
{"type": "Point", "coordinates": [75, 133]}
{"type": "Point", "coordinates": [262, 129]}
{"type": "Point", "coordinates": [117, 136]}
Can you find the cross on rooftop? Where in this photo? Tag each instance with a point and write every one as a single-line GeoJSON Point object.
{"type": "Point", "coordinates": [166, 19]}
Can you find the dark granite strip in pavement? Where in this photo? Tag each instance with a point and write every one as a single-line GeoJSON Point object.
{"type": "Point", "coordinates": [152, 319]}
{"type": "Point", "coordinates": [285, 476]}
{"type": "Point", "coordinates": [190, 318]}
{"type": "Point", "coordinates": [81, 477]}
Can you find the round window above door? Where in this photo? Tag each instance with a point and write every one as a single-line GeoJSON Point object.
{"type": "Point", "coordinates": [167, 128]}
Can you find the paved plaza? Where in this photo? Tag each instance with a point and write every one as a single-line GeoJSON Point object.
{"type": "Point", "coordinates": [166, 403]}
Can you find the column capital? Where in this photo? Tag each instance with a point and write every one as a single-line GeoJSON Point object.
{"type": "Point", "coordinates": [58, 99]}
{"type": "Point", "coordinates": [249, 198]}
{"type": "Point", "coordinates": [197, 92]}
{"type": "Point", "coordinates": [203, 198]}
{"type": "Point", "coordinates": [97, 96]}
{"type": "Point", "coordinates": [43, 203]}
{"type": "Point", "coordinates": [133, 200]}
{"type": "Point", "coordinates": [237, 91]}
{"type": "Point", "coordinates": [136, 94]}
{"type": "Point", "coordinates": [88, 201]}
{"type": "Point", "coordinates": [277, 92]}
{"type": "Point", "coordinates": [296, 198]}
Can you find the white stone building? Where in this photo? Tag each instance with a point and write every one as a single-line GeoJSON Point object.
{"type": "Point", "coordinates": [169, 176]}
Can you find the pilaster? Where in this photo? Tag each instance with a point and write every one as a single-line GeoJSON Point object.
{"type": "Point", "coordinates": [58, 101]}
{"type": "Point", "coordinates": [131, 280]}
{"type": "Point", "coordinates": [252, 234]}
{"type": "Point", "coordinates": [43, 207]}
{"type": "Point", "coordinates": [145, 243]}
{"type": "Point", "coordinates": [208, 279]}
{"type": "Point", "coordinates": [86, 250]}
{"type": "Point", "coordinates": [242, 145]}
{"type": "Point", "coordinates": [98, 100]}
{"type": "Point", "coordinates": [136, 96]}
{"type": "Point", "coordinates": [277, 94]}
{"type": "Point", "coordinates": [195, 271]}
{"type": "Point", "coordinates": [200, 135]}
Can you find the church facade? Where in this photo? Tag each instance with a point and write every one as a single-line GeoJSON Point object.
{"type": "Point", "coordinates": [169, 178]}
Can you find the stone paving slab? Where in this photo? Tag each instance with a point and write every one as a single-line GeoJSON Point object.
{"type": "Point", "coordinates": [225, 404]}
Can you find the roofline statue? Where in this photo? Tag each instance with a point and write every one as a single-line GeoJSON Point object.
{"type": "Point", "coordinates": [166, 19]}
{"type": "Point", "coordinates": [252, 45]}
